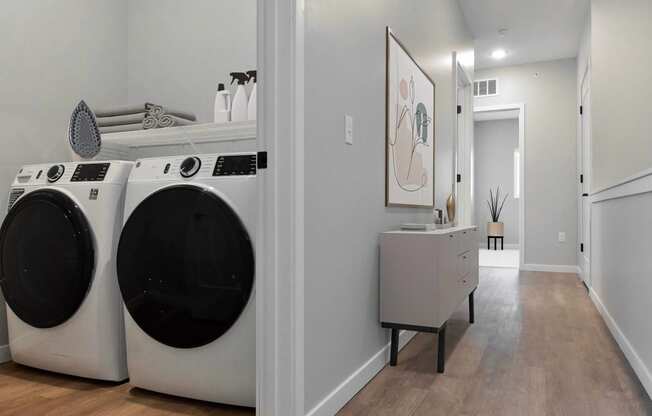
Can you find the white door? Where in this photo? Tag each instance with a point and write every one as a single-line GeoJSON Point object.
{"type": "Point", "coordinates": [585, 202]}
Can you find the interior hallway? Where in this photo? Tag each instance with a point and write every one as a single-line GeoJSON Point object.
{"type": "Point", "coordinates": [538, 347]}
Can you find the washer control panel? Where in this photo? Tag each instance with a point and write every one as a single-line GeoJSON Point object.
{"type": "Point", "coordinates": [90, 172]}
{"type": "Point", "coordinates": [235, 165]}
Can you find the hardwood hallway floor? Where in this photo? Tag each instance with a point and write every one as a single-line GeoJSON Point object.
{"type": "Point", "coordinates": [25, 392]}
{"type": "Point", "coordinates": [538, 347]}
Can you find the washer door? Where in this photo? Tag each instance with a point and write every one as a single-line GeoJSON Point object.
{"type": "Point", "coordinates": [185, 266]}
{"type": "Point", "coordinates": [46, 258]}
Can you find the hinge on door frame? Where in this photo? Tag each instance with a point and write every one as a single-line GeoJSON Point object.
{"type": "Point", "coordinates": [581, 109]}
{"type": "Point", "coordinates": [459, 178]}
{"type": "Point", "coordinates": [459, 109]}
{"type": "Point", "coordinates": [581, 247]}
{"type": "Point", "coordinates": [261, 160]}
{"type": "Point", "coordinates": [582, 178]}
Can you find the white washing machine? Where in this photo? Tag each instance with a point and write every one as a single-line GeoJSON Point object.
{"type": "Point", "coordinates": [186, 273]}
{"type": "Point", "coordinates": [57, 268]}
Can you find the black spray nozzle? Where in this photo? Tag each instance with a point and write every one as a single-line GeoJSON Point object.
{"type": "Point", "coordinates": [240, 76]}
{"type": "Point", "coordinates": [253, 76]}
{"type": "Point", "coordinates": [220, 87]}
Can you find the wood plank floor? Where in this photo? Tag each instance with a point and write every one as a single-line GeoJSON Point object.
{"type": "Point", "coordinates": [538, 347]}
{"type": "Point", "coordinates": [25, 391]}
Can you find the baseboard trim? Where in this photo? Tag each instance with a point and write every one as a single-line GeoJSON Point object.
{"type": "Point", "coordinates": [336, 399]}
{"type": "Point", "coordinates": [552, 268]}
{"type": "Point", "coordinates": [5, 355]}
{"type": "Point", "coordinates": [641, 370]}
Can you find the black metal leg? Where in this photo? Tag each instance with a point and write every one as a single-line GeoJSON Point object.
{"type": "Point", "coordinates": [502, 243]}
{"type": "Point", "coordinates": [393, 349]}
{"type": "Point", "coordinates": [488, 243]}
{"type": "Point", "coordinates": [441, 348]}
{"type": "Point", "coordinates": [495, 244]}
{"type": "Point", "coordinates": [471, 311]}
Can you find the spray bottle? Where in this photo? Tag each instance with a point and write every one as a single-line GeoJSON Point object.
{"type": "Point", "coordinates": [222, 111]}
{"type": "Point", "coordinates": [251, 108]}
{"type": "Point", "coordinates": [240, 99]}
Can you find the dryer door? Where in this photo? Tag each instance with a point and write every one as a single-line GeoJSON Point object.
{"type": "Point", "coordinates": [46, 258]}
{"type": "Point", "coordinates": [185, 266]}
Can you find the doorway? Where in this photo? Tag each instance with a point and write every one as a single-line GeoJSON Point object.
{"type": "Point", "coordinates": [498, 165]}
{"type": "Point", "coordinates": [585, 179]}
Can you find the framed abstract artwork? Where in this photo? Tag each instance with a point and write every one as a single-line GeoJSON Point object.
{"type": "Point", "coordinates": [410, 141]}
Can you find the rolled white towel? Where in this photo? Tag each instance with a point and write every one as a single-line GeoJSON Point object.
{"type": "Point", "coordinates": [171, 121]}
{"type": "Point", "coordinates": [118, 129]}
{"type": "Point", "coordinates": [150, 122]}
{"type": "Point", "coordinates": [159, 110]}
{"type": "Point", "coordinates": [121, 110]}
{"type": "Point", "coordinates": [121, 120]}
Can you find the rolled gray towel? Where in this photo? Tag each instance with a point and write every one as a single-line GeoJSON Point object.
{"type": "Point", "coordinates": [121, 120]}
{"type": "Point", "coordinates": [150, 122]}
{"type": "Point", "coordinates": [171, 121]}
{"type": "Point", "coordinates": [118, 129]}
{"type": "Point", "coordinates": [158, 111]}
{"type": "Point", "coordinates": [121, 110]}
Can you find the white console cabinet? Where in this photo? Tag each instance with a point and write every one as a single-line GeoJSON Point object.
{"type": "Point", "coordinates": [424, 276]}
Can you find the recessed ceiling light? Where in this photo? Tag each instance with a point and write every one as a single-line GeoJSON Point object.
{"type": "Point", "coordinates": [499, 54]}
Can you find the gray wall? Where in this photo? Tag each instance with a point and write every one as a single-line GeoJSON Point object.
{"type": "Point", "coordinates": [55, 54]}
{"type": "Point", "coordinates": [495, 142]}
{"type": "Point", "coordinates": [345, 192]}
{"type": "Point", "coordinates": [548, 90]}
{"type": "Point", "coordinates": [621, 89]}
{"type": "Point", "coordinates": [621, 230]}
{"type": "Point", "coordinates": [180, 50]}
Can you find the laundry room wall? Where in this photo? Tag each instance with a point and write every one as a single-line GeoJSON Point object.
{"type": "Point", "coordinates": [345, 185]}
{"type": "Point", "coordinates": [54, 54]}
{"type": "Point", "coordinates": [178, 51]}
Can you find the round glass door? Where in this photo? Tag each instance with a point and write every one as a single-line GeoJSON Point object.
{"type": "Point", "coordinates": [46, 258]}
{"type": "Point", "coordinates": [185, 266]}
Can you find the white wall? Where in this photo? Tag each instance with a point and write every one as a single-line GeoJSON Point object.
{"type": "Point", "coordinates": [54, 54]}
{"type": "Point", "coordinates": [621, 40]}
{"type": "Point", "coordinates": [495, 142]}
{"type": "Point", "coordinates": [345, 185]}
{"type": "Point", "coordinates": [180, 50]}
{"type": "Point", "coordinates": [621, 225]}
{"type": "Point", "coordinates": [548, 90]}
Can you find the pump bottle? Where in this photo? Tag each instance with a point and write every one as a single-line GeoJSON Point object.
{"type": "Point", "coordinates": [240, 99]}
{"type": "Point", "coordinates": [251, 107]}
{"type": "Point", "coordinates": [222, 105]}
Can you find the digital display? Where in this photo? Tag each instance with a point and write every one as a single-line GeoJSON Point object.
{"type": "Point", "coordinates": [235, 165]}
{"type": "Point", "coordinates": [90, 172]}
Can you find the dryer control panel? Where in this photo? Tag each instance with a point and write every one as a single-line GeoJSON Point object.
{"type": "Point", "coordinates": [235, 165]}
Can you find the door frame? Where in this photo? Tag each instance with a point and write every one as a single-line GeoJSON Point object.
{"type": "Point", "coordinates": [280, 230]}
{"type": "Point", "coordinates": [584, 258]}
{"type": "Point", "coordinates": [463, 148]}
{"type": "Point", "coordinates": [521, 149]}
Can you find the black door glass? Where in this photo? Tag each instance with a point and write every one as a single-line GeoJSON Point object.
{"type": "Point", "coordinates": [185, 266]}
{"type": "Point", "coordinates": [46, 258]}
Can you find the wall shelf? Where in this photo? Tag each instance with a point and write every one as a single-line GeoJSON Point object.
{"type": "Point", "coordinates": [194, 138]}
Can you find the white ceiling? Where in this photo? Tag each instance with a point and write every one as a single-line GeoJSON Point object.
{"type": "Point", "coordinates": [537, 30]}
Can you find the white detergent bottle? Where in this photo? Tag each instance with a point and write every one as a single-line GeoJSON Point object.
{"type": "Point", "coordinates": [222, 111]}
{"type": "Point", "coordinates": [240, 99]}
{"type": "Point", "coordinates": [251, 107]}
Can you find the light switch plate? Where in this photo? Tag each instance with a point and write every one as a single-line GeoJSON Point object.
{"type": "Point", "coordinates": [348, 129]}
{"type": "Point", "coordinates": [562, 237]}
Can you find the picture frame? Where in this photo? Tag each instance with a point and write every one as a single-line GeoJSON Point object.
{"type": "Point", "coordinates": [409, 129]}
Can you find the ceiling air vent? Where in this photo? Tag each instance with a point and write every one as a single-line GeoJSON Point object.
{"type": "Point", "coordinates": [14, 195]}
{"type": "Point", "coordinates": [485, 87]}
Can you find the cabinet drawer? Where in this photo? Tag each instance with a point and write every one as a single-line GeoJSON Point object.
{"type": "Point", "coordinates": [465, 240]}
{"type": "Point", "coordinates": [464, 265]}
